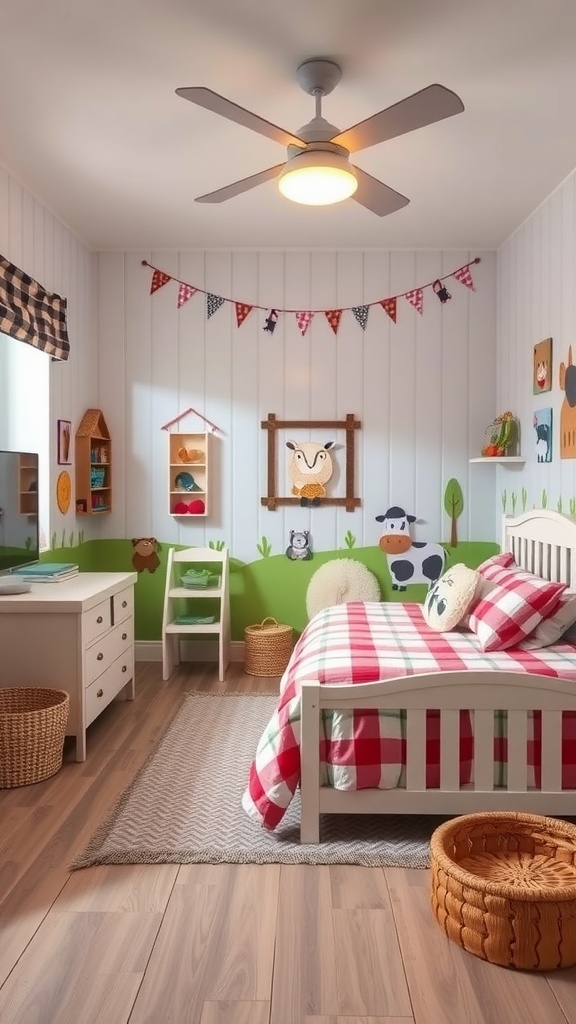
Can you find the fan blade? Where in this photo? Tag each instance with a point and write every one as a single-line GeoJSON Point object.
{"type": "Point", "coordinates": [220, 105]}
{"type": "Point", "coordinates": [376, 196]}
{"type": "Point", "coordinates": [236, 189]}
{"type": "Point", "coordinates": [425, 107]}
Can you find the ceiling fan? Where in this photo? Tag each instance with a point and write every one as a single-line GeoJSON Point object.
{"type": "Point", "coordinates": [318, 171]}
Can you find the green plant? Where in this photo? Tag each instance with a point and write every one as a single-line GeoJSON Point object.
{"type": "Point", "coordinates": [573, 507]}
{"type": "Point", "coordinates": [264, 547]}
{"type": "Point", "coordinates": [63, 544]}
{"type": "Point", "coordinates": [216, 545]}
{"type": "Point", "coordinates": [504, 500]}
{"type": "Point", "coordinates": [514, 498]}
{"type": "Point", "coordinates": [71, 540]}
{"type": "Point", "coordinates": [524, 498]}
{"type": "Point", "coordinates": [349, 539]}
{"type": "Point", "coordinates": [544, 498]}
{"type": "Point", "coordinates": [559, 504]}
{"type": "Point", "coordinates": [28, 543]}
{"type": "Point", "coordinates": [80, 536]}
{"type": "Point", "coordinates": [53, 544]}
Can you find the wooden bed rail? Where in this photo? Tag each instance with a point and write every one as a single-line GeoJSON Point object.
{"type": "Point", "coordinates": [480, 693]}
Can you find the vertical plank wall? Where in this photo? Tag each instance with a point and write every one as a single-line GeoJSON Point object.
{"type": "Point", "coordinates": [423, 388]}
{"type": "Point", "coordinates": [34, 239]}
{"type": "Point", "coordinates": [537, 300]}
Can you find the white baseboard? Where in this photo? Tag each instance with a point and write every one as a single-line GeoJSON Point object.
{"type": "Point", "coordinates": [203, 650]}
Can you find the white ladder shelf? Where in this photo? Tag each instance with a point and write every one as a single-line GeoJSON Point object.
{"type": "Point", "coordinates": [207, 560]}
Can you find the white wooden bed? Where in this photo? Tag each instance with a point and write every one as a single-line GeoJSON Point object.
{"type": "Point", "coordinates": [544, 542]}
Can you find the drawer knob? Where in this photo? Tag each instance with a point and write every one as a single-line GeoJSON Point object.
{"type": "Point", "coordinates": [99, 619]}
{"type": "Point", "coordinates": [99, 656]}
{"type": "Point", "coordinates": [124, 604]}
{"type": "Point", "coordinates": [124, 636]}
{"type": "Point", "coordinates": [99, 693]}
{"type": "Point", "coordinates": [124, 668]}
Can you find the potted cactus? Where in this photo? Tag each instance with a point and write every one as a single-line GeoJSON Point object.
{"type": "Point", "coordinates": [502, 436]}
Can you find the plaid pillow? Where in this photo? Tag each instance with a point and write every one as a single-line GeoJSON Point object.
{"type": "Point", "coordinates": [492, 566]}
{"type": "Point", "coordinates": [514, 608]}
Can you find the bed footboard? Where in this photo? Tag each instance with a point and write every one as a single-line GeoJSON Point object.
{"type": "Point", "coordinates": [480, 693]}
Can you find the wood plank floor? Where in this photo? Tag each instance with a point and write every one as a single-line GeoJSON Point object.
{"type": "Point", "coordinates": [226, 943]}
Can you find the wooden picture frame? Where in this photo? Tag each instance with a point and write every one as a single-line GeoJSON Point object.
{"type": "Point", "coordinates": [64, 442]}
{"type": "Point", "coordinates": [272, 500]}
{"type": "Point", "coordinates": [542, 367]}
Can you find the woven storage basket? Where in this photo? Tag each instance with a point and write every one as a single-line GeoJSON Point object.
{"type": "Point", "coordinates": [504, 888]}
{"type": "Point", "coordinates": [267, 648]}
{"type": "Point", "coordinates": [32, 730]}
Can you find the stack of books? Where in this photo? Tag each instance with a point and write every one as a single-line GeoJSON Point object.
{"type": "Point", "coordinates": [47, 572]}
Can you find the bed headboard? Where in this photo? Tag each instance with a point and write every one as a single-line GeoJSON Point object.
{"type": "Point", "coordinates": [544, 542]}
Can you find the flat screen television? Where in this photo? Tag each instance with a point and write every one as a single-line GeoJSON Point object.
{"type": "Point", "coordinates": [19, 531]}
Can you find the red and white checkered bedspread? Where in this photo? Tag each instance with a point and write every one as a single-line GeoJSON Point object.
{"type": "Point", "coordinates": [363, 642]}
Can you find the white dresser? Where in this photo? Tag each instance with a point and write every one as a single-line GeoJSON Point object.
{"type": "Point", "coordinates": [77, 635]}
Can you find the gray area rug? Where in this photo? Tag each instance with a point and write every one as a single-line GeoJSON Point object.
{"type": "Point", "coordinates": [184, 804]}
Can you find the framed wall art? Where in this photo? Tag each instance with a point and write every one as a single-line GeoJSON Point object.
{"type": "Point", "coordinates": [542, 369]}
{"type": "Point", "coordinates": [64, 440]}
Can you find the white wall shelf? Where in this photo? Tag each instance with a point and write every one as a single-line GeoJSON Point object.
{"type": "Point", "coordinates": [505, 459]}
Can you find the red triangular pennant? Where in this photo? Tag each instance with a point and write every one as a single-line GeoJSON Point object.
{"type": "Point", "coordinates": [333, 317]}
{"type": "Point", "coordinates": [303, 320]}
{"type": "Point", "coordinates": [416, 299]}
{"type": "Point", "coordinates": [159, 278]}
{"type": "Point", "coordinates": [389, 306]}
{"type": "Point", "coordinates": [185, 292]}
{"type": "Point", "coordinates": [242, 310]}
{"type": "Point", "coordinates": [465, 277]}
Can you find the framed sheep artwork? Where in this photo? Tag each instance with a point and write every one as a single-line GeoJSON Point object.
{"type": "Point", "coordinates": [542, 369]}
{"type": "Point", "coordinates": [542, 423]}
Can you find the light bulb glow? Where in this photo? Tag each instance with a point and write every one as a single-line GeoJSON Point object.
{"type": "Point", "coordinates": [317, 179]}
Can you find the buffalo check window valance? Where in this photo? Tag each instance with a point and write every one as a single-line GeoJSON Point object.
{"type": "Point", "coordinates": [31, 314]}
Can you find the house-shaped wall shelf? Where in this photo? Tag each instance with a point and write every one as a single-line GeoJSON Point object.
{"type": "Point", "coordinates": [93, 465]}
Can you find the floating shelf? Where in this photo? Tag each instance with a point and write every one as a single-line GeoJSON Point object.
{"type": "Point", "coordinates": [499, 458]}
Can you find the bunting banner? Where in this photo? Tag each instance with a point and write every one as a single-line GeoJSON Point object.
{"type": "Point", "coordinates": [415, 296]}
{"type": "Point", "coordinates": [389, 307]}
{"type": "Point", "coordinates": [213, 303]}
{"type": "Point", "coordinates": [185, 292]}
{"type": "Point", "coordinates": [465, 277]}
{"type": "Point", "coordinates": [304, 319]}
{"type": "Point", "coordinates": [159, 278]}
{"type": "Point", "coordinates": [242, 310]}
{"type": "Point", "coordinates": [416, 299]}
{"type": "Point", "coordinates": [333, 317]}
{"type": "Point", "coordinates": [361, 314]}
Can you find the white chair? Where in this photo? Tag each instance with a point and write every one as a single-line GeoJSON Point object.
{"type": "Point", "coordinates": [206, 577]}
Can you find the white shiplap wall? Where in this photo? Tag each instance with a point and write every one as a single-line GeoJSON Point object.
{"type": "Point", "coordinates": [537, 300]}
{"type": "Point", "coordinates": [36, 241]}
{"type": "Point", "coordinates": [423, 389]}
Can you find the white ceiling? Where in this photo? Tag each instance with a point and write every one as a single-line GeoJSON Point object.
{"type": "Point", "coordinates": [89, 120]}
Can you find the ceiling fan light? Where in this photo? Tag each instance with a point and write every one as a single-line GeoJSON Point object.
{"type": "Point", "coordinates": [317, 178]}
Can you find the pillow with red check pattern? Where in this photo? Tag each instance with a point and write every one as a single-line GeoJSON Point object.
{"type": "Point", "coordinates": [554, 627]}
{"type": "Point", "coordinates": [492, 566]}
{"type": "Point", "coordinates": [514, 608]}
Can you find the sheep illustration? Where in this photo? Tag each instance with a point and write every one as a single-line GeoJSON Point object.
{"type": "Point", "coordinates": [310, 467]}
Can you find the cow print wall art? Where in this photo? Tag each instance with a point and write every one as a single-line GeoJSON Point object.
{"type": "Point", "coordinates": [542, 423]}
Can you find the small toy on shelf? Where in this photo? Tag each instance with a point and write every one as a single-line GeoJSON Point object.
{"type": "Point", "coordinates": [502, 435]}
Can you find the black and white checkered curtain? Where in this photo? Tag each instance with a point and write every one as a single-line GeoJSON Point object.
{"type": "Point", "coordinates": [31, 314]}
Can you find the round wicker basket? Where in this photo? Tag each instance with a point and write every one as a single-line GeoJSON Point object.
{"type": "Point", "coordinates": [267, 648]}
{"type": "Point", "coordinates": [32, 730]}
{"type": "Point", "coordinates": [504, 888]}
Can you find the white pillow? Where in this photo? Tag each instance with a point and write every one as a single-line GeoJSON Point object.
{"type": "Point", "coordinates": [551, 629]}
{"type": "Point", "coordinates": [450, 597]}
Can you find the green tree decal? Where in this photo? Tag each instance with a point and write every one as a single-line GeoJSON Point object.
{"type": "Point", "coordinates": [454, 506]}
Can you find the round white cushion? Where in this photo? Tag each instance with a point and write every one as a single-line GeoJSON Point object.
{"type": "Point", "coordinates": [339, 581]}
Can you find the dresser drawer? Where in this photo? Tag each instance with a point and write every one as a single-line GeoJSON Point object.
{"type": "Point", "coordinates": [96, 621]}
{"type": "Point", "coordinates": [100, 655]}
{"type": "Point", "coordinates": [109, 684]}
{"type": "Point", "coordinates": [122, 605]}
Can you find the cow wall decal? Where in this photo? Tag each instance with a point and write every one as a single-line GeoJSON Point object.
{"type": "Point", "coordinates": [409, 561]}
